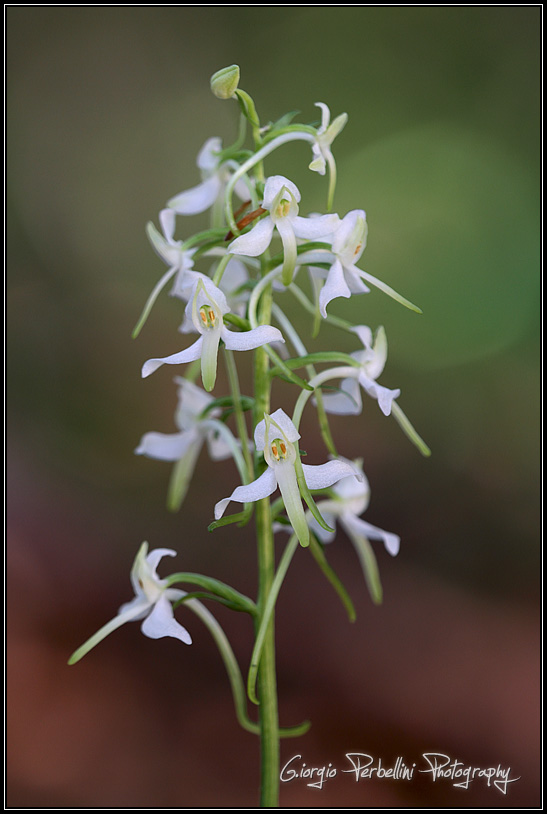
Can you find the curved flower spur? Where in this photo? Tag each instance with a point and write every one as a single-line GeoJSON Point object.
{"type": "Point", "coordinates": [206, 309]}
{"type": "Point", "coordinates": [276, 435]}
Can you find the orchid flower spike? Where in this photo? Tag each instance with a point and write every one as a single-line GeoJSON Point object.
{"type": "Point", "coordinates": [372, 361]}
{"type": "Point", "coordinates": [206, 309]}
{"type": "Point", "coordinates": [277, 436]}
{"type": "Point", "coordinates": [281, 199]}
{"type": "Point", "coordinates": [152, 602]}
{"type": "Point", "coordinates": [215, 175]}
{"type": "Point", "coordinates": [326, 134]}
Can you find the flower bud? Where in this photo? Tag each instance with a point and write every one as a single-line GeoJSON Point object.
{"type": "Point", "coordinates": [224, 82]}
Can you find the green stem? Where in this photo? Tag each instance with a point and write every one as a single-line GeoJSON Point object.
{"type": "Point", "coordinates": [238, 411]}
{"type": "Point", "coordinates": [267, 684]}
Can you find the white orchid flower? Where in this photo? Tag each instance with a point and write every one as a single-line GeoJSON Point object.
{"type": "Point", "coordinates": [152, 602]}
{"type": "Point", "coordinates": [344, 278]}
{"type": "Point", "coordinates": [184, 446]}
{"type": "Point", "coordinates": [277, 436]}
{"type": "Point", "coordinates": [326, 134]}
{"type": "Point", "coordinates": [206, 309]}
{"type": "Point", "coordinates": [215, 175]}
{"type": "Point", "coordinates": [281, 199]}
{"type": "Point", "coordinates": [372, 361]}
{"type": "Point", "coordinates": [179, 260]}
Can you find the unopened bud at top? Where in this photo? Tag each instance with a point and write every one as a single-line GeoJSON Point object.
{"type": "Point", "coordinates": [224, 82]}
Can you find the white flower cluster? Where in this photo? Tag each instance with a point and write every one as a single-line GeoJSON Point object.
{"type": "Point", "coordinates": [245, 259]}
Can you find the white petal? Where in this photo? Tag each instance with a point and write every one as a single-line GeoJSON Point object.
{"type": "Point", "coordinates": [219, 449]}
{"type": "Point", "coordinates": [161, 622]}
{"type": "Point", "coordinates": [189, 355]}
{"type": "Point", "coordinates": [365, 335]}
{"type": "Point", "coordinates": [283, 421]}
{"type": "Point", "coordinates": [262, 487]}
{"type": "Point", "coordinates": [248, 340]}
{"type": "Point", "coordinates": [335, 286]}
{"type": "Point", "coordinates": [256, 241]}
{"type": "Point", "coordinates": [156, 555]}
{"type": "Point", "coordinates": [197, 199]}
{"type": "Point", "coordinates": [377, 363]}
{"type": "Point", "coordinates": [351, 237]}
{"type": "Point", "coordinates": [357, 526]}
{"type": "Point", "coordinates": [136, 609]}
{"type": "Point", "coordinates": [314, 228]}
{"type": "Point", "coordinates": [164, 447]}
{"type": "Point", "coordinates": [319, 477]}
{"type": "Point", "coordinates": [274, 185]}
{"type": "Point", "coordinates": [348, 402]}
{"type": "Point", "coordinates": [235, 275]}
{"type": "Point", "coordinates": [207, 159]}
{"type": "Point", "coordinates": [382, 394]}
{"type": "Point", "coordinates": [167, 219]}
{"type": "Point", "coordinates": [192, 402]}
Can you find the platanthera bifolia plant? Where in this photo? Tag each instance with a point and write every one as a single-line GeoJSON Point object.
{"type": "Point", "coordinates": [235, 279]}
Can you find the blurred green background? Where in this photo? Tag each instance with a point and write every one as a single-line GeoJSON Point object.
{"type": "Point", "coordinates": [107, 108]}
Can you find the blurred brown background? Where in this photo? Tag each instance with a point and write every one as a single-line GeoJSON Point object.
{"type": "Point", "coordinates": [107, 108]}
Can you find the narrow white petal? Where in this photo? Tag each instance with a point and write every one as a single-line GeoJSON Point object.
{"type": "Point", "coordinates": [262, 487]}
{"type": "Point", "coordinates": [189, 355]}
{"type": "Point", "coordinates": [319, 477]}
{"type": "Point", "coordinates": [365, 335]}
{"type": "Point", "coordinates": [207, 159]}
{"type": "Point", "coordinates": [219, 449]}
{"type": "Point", "coordinates": [256, 241]}
{"type": "Point", "coordinates": [164, 447]}
{"type": "Point", "coordinates": [335, 286]}
{"type": "Point", "coordinates": [377, 364]}
{"type": "Point", "coordinates": [348, 402]}
{"type": "Point", "coordinates": [357, 526]}
{"type": "Point", "coordinates": [161, 622]}
{"type": "Point", "coordinates": [329, 516]}
{"type": "Point", "coordinates": [197, 199]}
{"type": "Point", "coordinates": [192, 402]}
{"type": "Point", "coordinates": [248, 340]}
{"type": "Point", "coordinates": [315, 228]}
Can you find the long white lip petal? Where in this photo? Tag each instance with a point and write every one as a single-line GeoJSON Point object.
{"type": "Point", "coordinates": [319, 477]}
{"type": "Point", "coordinates": [248, 340]}
{"type": "Point", "coordinates": [164, 447]}
{"type": "Point", "coordinates": [189, 355]}
{"type": "Point", "coordinates": [161, 622]}
{"type": "Point", "coordinates": [262, 487]}
{"type": "Point", "coordinates": [209, 357]}
{"type": "Point", "coordinates": [256, 241]}
{"type": "Point", "coordinates": [197, 199]}
{"type": "Point", "coordinates": [285, 474]}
